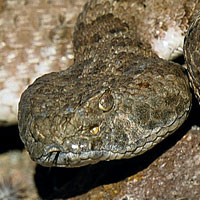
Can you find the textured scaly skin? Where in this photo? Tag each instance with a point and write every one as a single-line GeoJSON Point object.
{"type": "Point", "coordinates": [117, 100]}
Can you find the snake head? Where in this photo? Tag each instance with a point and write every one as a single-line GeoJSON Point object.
{"type": "Point", "coordinates": [67, 119]}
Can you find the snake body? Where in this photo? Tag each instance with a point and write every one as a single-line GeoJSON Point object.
{"type": "Point", "coordinates": [118, 99]}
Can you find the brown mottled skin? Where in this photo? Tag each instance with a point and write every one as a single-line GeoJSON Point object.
{"type": "Point", "coordinates": [118, 99]}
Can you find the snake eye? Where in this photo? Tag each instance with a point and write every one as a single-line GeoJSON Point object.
{"type": "Point", "coordinates": [106, 101]}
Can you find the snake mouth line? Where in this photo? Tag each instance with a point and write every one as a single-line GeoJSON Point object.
{"type": "Point", "coordinates": [71, 159]}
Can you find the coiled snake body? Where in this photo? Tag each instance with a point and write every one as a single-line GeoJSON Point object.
{"type": "Point", "coordinates": [118, 99]}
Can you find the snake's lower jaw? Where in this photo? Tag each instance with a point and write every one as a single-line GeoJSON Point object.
{"type": "Point", "coordinates": [71, 160]}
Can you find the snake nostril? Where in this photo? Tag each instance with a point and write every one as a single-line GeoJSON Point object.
{"type": "Point", "coordinates": [106, 101]}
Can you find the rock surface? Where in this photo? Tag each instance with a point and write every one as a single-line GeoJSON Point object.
{"type": "Point", "coordinates": [35, 38]}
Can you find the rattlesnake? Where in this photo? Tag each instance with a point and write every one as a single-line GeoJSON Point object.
{"type": "Point", "coordinates": [118, 99]}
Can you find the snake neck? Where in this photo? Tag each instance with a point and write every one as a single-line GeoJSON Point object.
{"type": "Point", "coordinates": [107, 34]}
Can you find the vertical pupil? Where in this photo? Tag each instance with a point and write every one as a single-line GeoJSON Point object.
{"type": "Point", "coordinates": [106, 101]}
